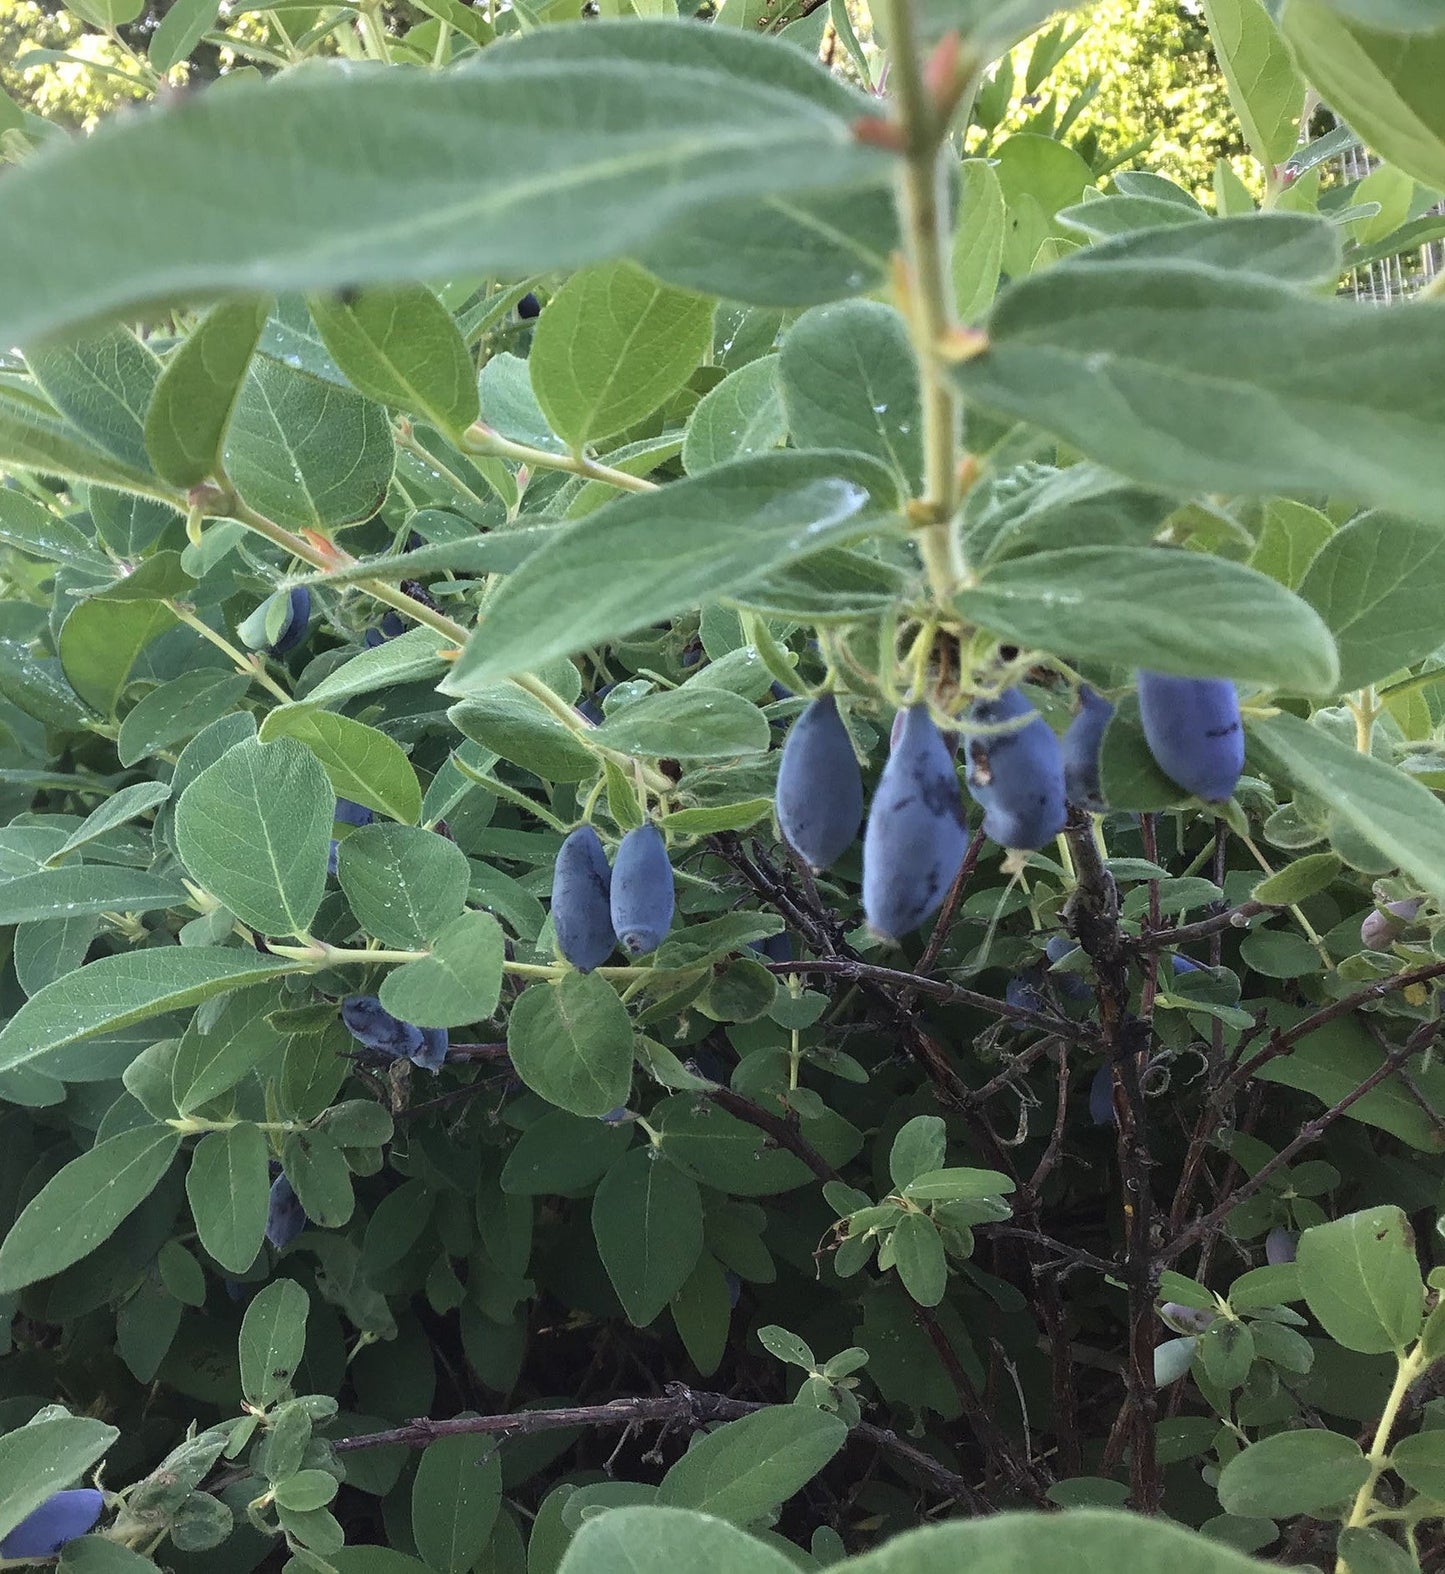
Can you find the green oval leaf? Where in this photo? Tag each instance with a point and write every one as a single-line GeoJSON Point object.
{"type": "Point", "coordinates": [255, 829]}
{"type": "Point", "coordinates": [571, 1043]}
{"type": "Point", "coordinates": [84, 1204]}
{"type": "Point", "coordinates": [1182, 612]}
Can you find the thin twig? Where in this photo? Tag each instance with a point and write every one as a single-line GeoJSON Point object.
{"type": "Point", "coordinates": [677, 1405]}
{"type": "Point", "coordinates": [1309, 1133]}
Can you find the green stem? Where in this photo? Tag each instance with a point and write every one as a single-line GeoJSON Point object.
{"type": "Point", "coordinates": [1410, 1368]}
{"type": "Point", "coordinates": [244, 663]}
{"type": "Point", "coordinates": [298, 546]}
{"type": "Point", "coordinates": [480, 439]}
{"type": "Point", "coordinates": [319, 955]}
{"type": "Point", "coordinates": [405, 439]}
{"type": "Point", "coordinates": [193, 1125]}
{"type": "Point", "coordinates": [1365, 709]}
{"type": "Point", "coordinates": [501, 790]}
{"type": "Point", "coordinates": [922, 208]}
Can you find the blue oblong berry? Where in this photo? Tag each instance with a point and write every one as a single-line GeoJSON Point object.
{"type": "Point", "coordinates": [371, 1024]}
{"type": "Point", "coordinates": [642, 898]}
{"type": "Point", "coordinates": [391, 625]}
{"type": "Point", "coordinates": [1194, 732]}
{"type": "Point", "coordinates": [1023, 990]}
{"type": "Point", "coordinates": [62, 1517]}
{"type": "Point", "coordinates": [332, 856]}
{"type": "Point", "coordinates": [1184, 964]}
{"type": "Point", "coordinates": [1101, 1097]}
{"type": "Point", "coordinates": [349, 812]}
{"type": "Point", "coordinates": [1280, 1246]}
{"type": "Point", "coordinates": [1070, 985]}
{"type": "Point", "coordinates": [916, 835]}
{"type": "Point", "coordinates": [298, 615]}
{"type": "Point", "coordinates": [776, 948]}
{"type": "Point", "coordinates": [1017, 777]}
{"type": "Point", "coordinates": [820, 788]}
{"type": "Point", "coordinates": [1083, 738]}
{"type": "Point", "coordinates": [529, 306]}
{"type": "Point", "coordinates": [582, 900]}
{"type": "Point", "coordinates": [435, 1041]}
{"type": "Point", "coordinates": [285, 1217]}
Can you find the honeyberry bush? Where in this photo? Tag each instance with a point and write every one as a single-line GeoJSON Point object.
{"type": "Point", "coordinates": [969, 629]}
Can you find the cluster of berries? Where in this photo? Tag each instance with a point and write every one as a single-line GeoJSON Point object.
{"type": "Point", "coordinates": [1019, 772]}
{"type": "Point", "coordinates": [595, 906]}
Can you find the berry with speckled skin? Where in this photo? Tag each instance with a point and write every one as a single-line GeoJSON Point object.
{"type": "Point", "coordinates": [62, 1517]}
{"type": "Point", "coordinates": [1194, 732]}
{"type": "Point", "coordinates": [642, 898]}
{"type": "Point", "coordinates": [820, 788]}
{"type": "Point", "coordinates": [581, 901]}
{"type": "Point", "coordinates": [1017, 777]}
{"type": "Point", "coordinates": [1082, 741]}
{"type": "Point", "coordinates": [916, 835]}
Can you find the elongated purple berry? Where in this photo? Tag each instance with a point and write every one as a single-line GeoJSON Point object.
{"type": "Point", "coordinates": [1280, 1245]}
{"type": "Point", "coordinates": [1070, 985]}
{"type": "Point", "coordinates": [1185, 964]}
{"type": "Point", "coordinates": [820, 788]}
{"type": "Point", "coordinates": [62, 1517]}
{"type": "Point", "coordinates": [581, 901]}
{"type": "Point", "coordinates": [371, 1024]}
{"type": "Point", "coordinates": [1380, 928]}
{"type": "Point", "coordinates": [1101, 1096]}
{"type": "Point", "coordinates": [1022, 990]}
{"type": "Point", "coordinates": [1193, 730]}
{"type": "Point", "coordinates": [776, 948]}
{"type": "Point", "coordinates": [285, 1217]}
{"type": "Point", "coordinates": [435, 1041]}
{"type": "Point", "coordinates": [1016, 777]}
{"type": "Point", "coordinates": [293, 631]}
{"type": "Point", "coordinates": [348, 812]}
{"type": "Point", "coordinates": [391, 626]}
{"type": "Point", "coordinates": [916, 835]}
{"type": "Point", "coordinates": [1083, 739]}
{"type": "Point", "coordinates": [1187, 1319]}
{"type": "Point", "coordinates": [642, 895]}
